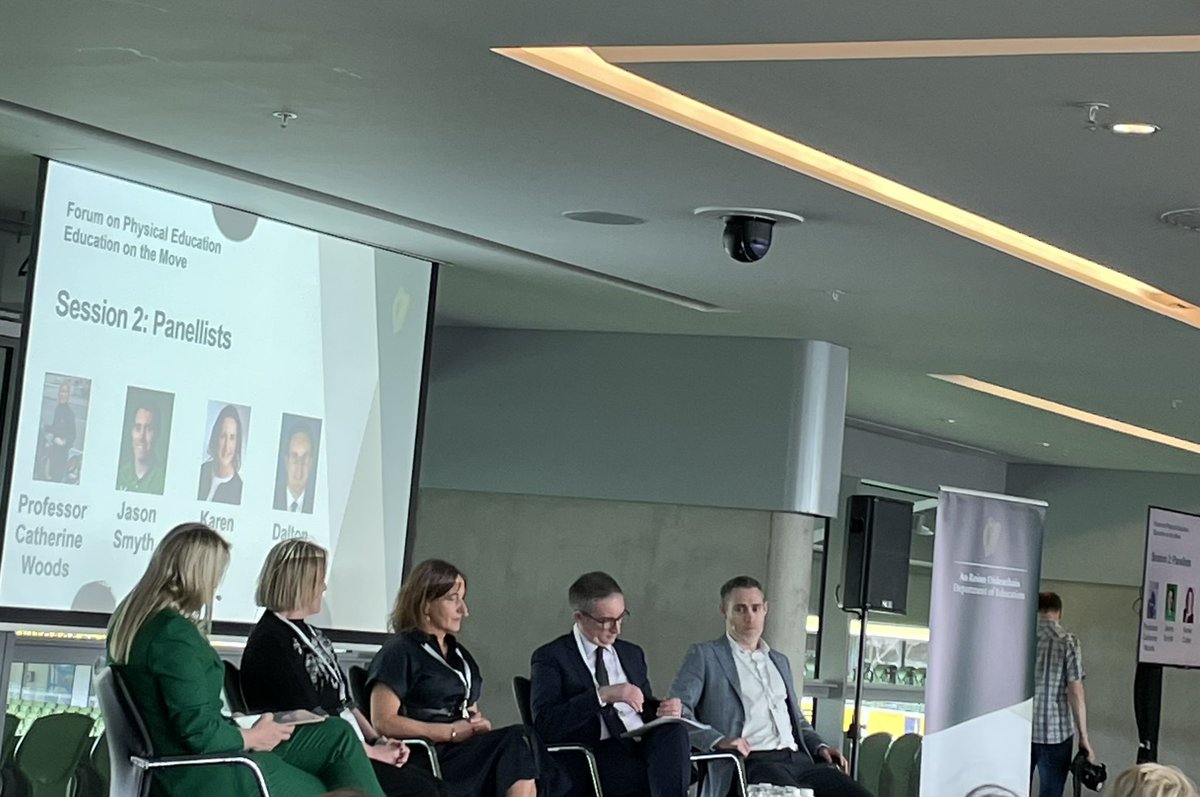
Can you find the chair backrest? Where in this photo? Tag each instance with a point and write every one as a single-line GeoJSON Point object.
{"type": "Point", "coordinates": [898, 765]}
{"type": "Point", "coordinates": [93, 771]}
{"type": "Point", "coordinates": [356, 677]}
{"type": "Point", "coordinates": [871, 753]}
{"type": "Point", "coordinates": [100, 763]}
{"type": "Point", "coordinates": [8, 740]}
{"type": "Point", "coordinates": [521, 690]}
{"type": "Point", "coordinates": [233, 688]}
{"type": "Point", "coordinates": [125, 734]}
{"type": "Point", "coordinates": [914, 777]}
{"type": "Point", "coordinates": [50, 753]}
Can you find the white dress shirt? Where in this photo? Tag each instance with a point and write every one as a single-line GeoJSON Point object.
{"type": "Point", "coordinates": [296, 501]}
{"type": "Point", "coordinates": [616, 675]}
{"type": "Point", "coordinates": [217, 481]}
{"type": "Point", "coordinates": [764, 699]}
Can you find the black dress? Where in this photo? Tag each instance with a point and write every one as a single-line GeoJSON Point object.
{"type": "Point", "coordinates": [436, 689]}
{"type": "Point", "coordinates": [281, 672]}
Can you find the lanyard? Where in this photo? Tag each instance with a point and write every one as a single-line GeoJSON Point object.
{"type": "Point", "coordinates": [327, 661]}
{"type": "Point", "coordinates": [465, 677]}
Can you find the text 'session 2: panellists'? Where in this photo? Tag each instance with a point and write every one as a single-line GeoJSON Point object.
{"type": "Point", "coordinates": [200, 331]}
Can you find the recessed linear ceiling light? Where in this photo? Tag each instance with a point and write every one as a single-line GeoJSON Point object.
{"type": "Point", "coordinates": [903, 48]}
{"type": "Point", "coordinates": [1073, 413]}
{"type": "Point", "coordinates": [585, 68]}
{"type": "Point", "coordinates": [1134, 128]}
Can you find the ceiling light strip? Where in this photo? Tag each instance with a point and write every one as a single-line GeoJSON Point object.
{"type": "Point", "coordinates": [583, 67]}
{"type": "Point", "coordinates": [1113, 425]}
{"type": "Point", "coordinates": [911, 48]}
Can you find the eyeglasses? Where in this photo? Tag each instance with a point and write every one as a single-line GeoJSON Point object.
{"type": "Point", "coordinates": [607, 622]}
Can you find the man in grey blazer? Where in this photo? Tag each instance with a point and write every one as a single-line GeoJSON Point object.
{"type": "Point", "coordinates": [744, 691]}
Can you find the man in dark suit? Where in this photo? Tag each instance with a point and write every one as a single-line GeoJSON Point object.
{"type": "Point", "coordinates": [589, 687]}
{"type": "Point", "coordinates": [293, 485]}
{"type": "Point", "coordinates": [742, 689]}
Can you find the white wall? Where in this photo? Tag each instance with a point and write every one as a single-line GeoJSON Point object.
{"type": "Point", "coordinates": [921, 464]}
{"type": "Point", "coordinates": [1096, 523]}
{"type": "Point", "coordinates": [701, 421]}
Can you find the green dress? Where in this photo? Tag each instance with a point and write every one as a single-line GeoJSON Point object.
{"type": "Point", "coordinates": [175, 677]}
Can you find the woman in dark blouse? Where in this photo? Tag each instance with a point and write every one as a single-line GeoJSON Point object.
{"type": "Point", "coordinates": [289, 664]}
{"type": "Point", "coordinates": [423, 683]}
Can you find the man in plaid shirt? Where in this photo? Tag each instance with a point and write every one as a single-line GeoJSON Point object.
{"type": "Point", "coordinates": [1057, 699]}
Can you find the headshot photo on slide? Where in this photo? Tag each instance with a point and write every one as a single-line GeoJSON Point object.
{"type": "Point", "coordinates": [145, 438]}
{"type": "Point", "coordinates": [296, 473]}
{"type": "Point", "coordinates": [1169, 611]}
{"type": "Point", "coordinates": [59, 455]}
{"type": "Point", "coordinates": [227, 430]}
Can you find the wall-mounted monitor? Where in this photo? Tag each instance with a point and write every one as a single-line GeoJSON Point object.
{"type": "Point", "coordinates": [1170, 584]}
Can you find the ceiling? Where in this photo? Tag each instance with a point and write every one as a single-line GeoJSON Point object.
{"type": "Point", "coordinates": [413, 134]}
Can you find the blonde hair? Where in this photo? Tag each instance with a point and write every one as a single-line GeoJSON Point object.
{"type": "Point", "coordinates": [184, 572]}
{"type": "Point", "coordinates": [1152, 780]}
{"type": "Point", "coordinates": [291, 576]}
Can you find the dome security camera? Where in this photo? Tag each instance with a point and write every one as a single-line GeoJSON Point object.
{"type": "Point", "coordinates": [747, 239]}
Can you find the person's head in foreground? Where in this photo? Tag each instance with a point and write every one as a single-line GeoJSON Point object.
{"type": "Point", "coordinates": [1152, 780]}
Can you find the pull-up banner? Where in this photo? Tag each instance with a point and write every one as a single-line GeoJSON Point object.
{"type": "Point", "coordinates": [982, 643]}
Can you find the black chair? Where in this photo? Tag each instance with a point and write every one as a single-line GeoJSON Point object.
{"type": "Point", "coordinates": [47, 760]}
{"type": "Point", "coordinates": [521, 687]}
{"type": "Point", "coordinates": [233, 688]}
{"type": "Point", "coordinates": [521, 690]}
{"type": "Point", "coordinates": [356, 678]}
{"type": "Point", "coordinates": [92, 775]}
{"type": "Point", "coordinates": [130, 753]}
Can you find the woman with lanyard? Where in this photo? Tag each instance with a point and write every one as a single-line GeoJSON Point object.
{"type": "Point", "coordinates": [424, 683]}
{"type": "Point", "coordinates": [289, 664]}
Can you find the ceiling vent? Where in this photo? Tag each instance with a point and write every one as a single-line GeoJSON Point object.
{"type": "Point", "coordinates": [1187, 218]}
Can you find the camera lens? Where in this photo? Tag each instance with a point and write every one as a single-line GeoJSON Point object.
{"type": "Point", "coordinates": [747, 238]}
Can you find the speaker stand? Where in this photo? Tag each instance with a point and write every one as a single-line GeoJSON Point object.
{"type": "Point", "coordinates": [856, 715]}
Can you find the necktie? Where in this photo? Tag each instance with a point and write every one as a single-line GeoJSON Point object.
{"type": "Point", "coordinates": [293, 509]}
{"type": "Point", "coordinates": [608, 714]}
{"type": "Point", "coordinates": [601, 670]}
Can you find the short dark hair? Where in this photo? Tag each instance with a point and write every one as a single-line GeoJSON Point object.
{"type": "Point", "coordinates": [299, 427]}
{"type": "Point", "coordinates": [1049, 602]}
{"type": "Point", "coordinates": [149, 405]}
{"type": "Point", "coordinates": [739, 582]}
{"type": "Point", "coordinates": [428, 581]}
{"type": "Point", "coordinates": [591, 587]}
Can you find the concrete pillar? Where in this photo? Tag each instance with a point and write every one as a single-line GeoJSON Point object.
{"type": "Point", "coordinates": [789, 576]}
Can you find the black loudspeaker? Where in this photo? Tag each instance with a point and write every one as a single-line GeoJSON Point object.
{"type": "Point", "coordinates": [878, 537]}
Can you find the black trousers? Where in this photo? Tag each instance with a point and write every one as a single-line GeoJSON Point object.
{"type": "Point", "coordinates": [407, 781]}
{"type": "Point", "coordinates": [795, 768]}
{"type": "Point", "coordinates": [657, 765]}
